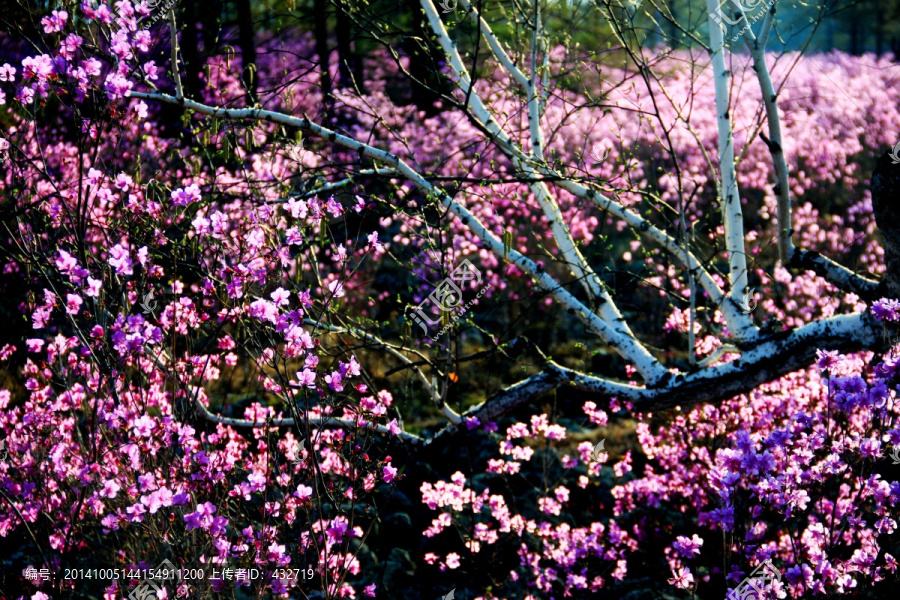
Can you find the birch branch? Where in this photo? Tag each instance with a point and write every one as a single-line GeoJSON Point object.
{"type": "Point", "coordinates": [731, 201]}
{"type": "Point", "coordinates": [790, 255]}
{"type": "Point", "coordinates": [836, 274]}
{"type": "Point", "coordinates": [774, 142]}
{"type": "Point", "coordinates": [562, 235]}
{"type": "Point", "coordinates": [476, 105]}
{"type": "Point", "coordinates": [628, 347]}
{"type": "Point", "coordinates": [734, 318]}
{"type": "Point", "coordinates": [772, 358]}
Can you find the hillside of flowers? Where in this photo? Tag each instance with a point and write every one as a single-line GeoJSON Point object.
{"type": "Point", "coordinates": [177, 382]}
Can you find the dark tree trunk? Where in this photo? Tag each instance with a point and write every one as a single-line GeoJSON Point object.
{"type": "Point", "coordinates": [211, 20]}
{"type": "Point", "coordinates": [320, 20]}
{"type": "Point", "coordinates": [886, 206]}
{"type": "Point", "coordinates": [855, 48]}
{"type": "Point", "coordinates": [189, 51]}
{"type": "Point", "coordinates": [248, 49]}
{"type": "Point", "coordinates": [350, 72]}
{"type": "Point", "coordinates": [423, 64]}
{"type": "Point", "coordinates": [879, 38]}
{"type": "Point", "coordinates": [345, 58]}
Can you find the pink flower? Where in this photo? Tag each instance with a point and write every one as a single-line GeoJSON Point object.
{"type": "Point", "coordinates": [110, 489]}
{"type": "Point", "coordinates": [335, 382]}
{"type": "Point", "coordinates": [683, 579]}
{"type": "Point", "coordinates": [304, 492]}
{"type": "Point", "coordinates": [26, 95]}
{"type": "Point", "coordinates": [336, 288]}
{"type": "Point", "coordinates": [185, 196]}
{"type": "Point", "coordinates": [827, 360]}
{"type": "Point", "coordinates": [306, 378]}
{"type": "Point", "coordinates": [453, 560]}
{"type": "Point", "coordinates": [281, 297]}
{"type": "Point", "coordinates": [93, 287]}
{"type": "Point", "coordinates": [688, 548]}
{"type": "Point", "coordinates": [123, 182]}
{"type": "Point", "coordinates": [389, 473]}
{"type": "Point", "coordinates": [333, 207]}
{"type": "Point", "coordinates": [7, 72]}
{"type": "Point", "coordinates": [120, 260]}
{"type": "Point", "coordinates": [73, 303]}
{"type": "Point", "coordinates": [55, 22]}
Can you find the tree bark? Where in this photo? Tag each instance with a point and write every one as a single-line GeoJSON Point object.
{"type": "Point", "coordinates": [886, 206]}
{"type": "Point", "coordinates": [248, 49]}
{"type": "Point", "coordinates": [189, 51]}
{"type": "Point", "coordinates": [423, 63]}
{"type": "Point", "coordinates": [320, 20]}
{"type": "Point", "coordinates": [350, 71]}
{"type": "Point", "coordinates": [345, 75]}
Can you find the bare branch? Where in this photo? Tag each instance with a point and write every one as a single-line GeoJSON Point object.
{"type": "Point", "coordinates": [316, 421]}
{"type": "Point", "coordinates": [836, 274]}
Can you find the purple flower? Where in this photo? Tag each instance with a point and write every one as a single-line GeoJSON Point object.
{"type": "Point", "coordinates": [336, 529]}
{"type": "Point", "coordinates": [120, 260]}
{"type": "Point", "coordinates": [306, 378]}
{"type": "Point", "coordinates": [886, 309]}
{"type": "Point", "coordinates": [55, 22]}
{"type": "Point", "coordinates": [333, 207]}
{"type": "Point", "coordinates": [827, 360]}
{"type": "Point", "coordinates": [688, 548]}
{"type": "Point", "coordinates": [185, 196]}
{"type": "Point", "coordinates": [7, 72]}
{"type": "Point", "coordinates": [192, 521]}
{"type": "Point", "coordinates": [335, 382]}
